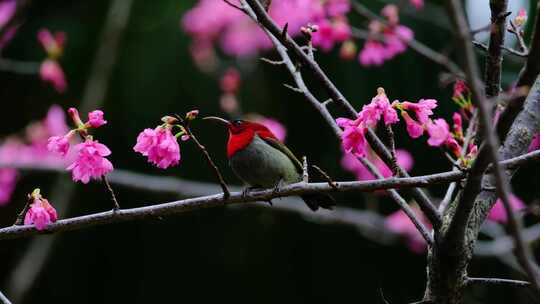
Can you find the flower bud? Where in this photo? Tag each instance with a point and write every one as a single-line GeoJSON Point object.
{"type": "Point", "coordinates": [191, 115]}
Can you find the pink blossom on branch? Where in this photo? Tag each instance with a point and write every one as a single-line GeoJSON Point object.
{"type": "Point", "coordinates": [438, 131]}
{"type": "Point", "coordinates": [414, 128]}
{"type": "Point", "coordinates": [353, 137]}
{"type": "Point", "coordinates": [58, 144]}
{"type": "Point", "coordinates": [160, 146]}
{"type": "Point", "coordinates": [40, 214]}
{"type": "Point", "coordinates": [90, 162]}
{"type": "Point", "coordinates": [53, 44]}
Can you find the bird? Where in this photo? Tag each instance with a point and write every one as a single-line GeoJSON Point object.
{"type": "Point", "coordinates": [260, 160]}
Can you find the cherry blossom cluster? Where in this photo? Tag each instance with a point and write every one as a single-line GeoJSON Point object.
{"type": "Point", "coordinates": [50, 70]}
{"type": "Point", "coordinates": [40, 212]}
{"type": "Point", "coordinates": [230, 83]}
{"type": "Point", "coordinates": [387, 40]}
{"type": "Point", "coordinates": [90, 160]}
{"type": "Point", "coordinates": [215, 22]}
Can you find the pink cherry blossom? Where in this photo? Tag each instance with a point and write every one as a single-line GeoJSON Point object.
{"type": "Point", "coordinates": [458, 124]}
{"type": "Point", "coordinates": [8, 181]}
{"type": "Point", "coordinates": [41, 214]}
{"type": "Point", "coordinates": [324, 36]}
{"type": "Point", "coordinates": [460, 89]}
{"type": "Point", "coordinates": [353, 137]}
{"type": "Point", "coordinates": [90, 161]}
{"type": "Point", "coordinates": [379, 106]}
{"type": "Point", "coordinates": [414, 128]}
{"type": "Point", "coordinates": [438, 131]}
{"type": "Point", "coordinates": [373, 53]}
{"type": "Point", "coordinates": [230, 81]}
{"type": "Point", "coordinates": [160, 146]}
{"type": "Point", "coordinates": [50, 71]}
{"type": "Point", "coordinates": [58, 144]}
{"type": "Point", "coordinates": [418, 4]}
{"type": "Point", "coordinates": [277, 128]}
{"type": "Point", "coordinates": [498, 212]}
{"type": "Point", "coordinates": [422, 109]}
{"type": "Point", "coordinates": [7, 10]}
{"type": "Point", "coordinates": [391, 13]}
{"type": "Point", "coordinates": [95, 119]}
{"type": "Point", "coordinates": [400, 223]}
{"type": "Point", "coordinates": [336, 8]}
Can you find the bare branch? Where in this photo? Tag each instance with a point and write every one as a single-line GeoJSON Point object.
{"type": "Point", "coordinates": [494, 56]}
{"type": "Point", "coordinates": [496, 282]}
{"type": "Point", "coordinates": [4, 299]}
{"type": "Point", "coordinates": [217, 200]}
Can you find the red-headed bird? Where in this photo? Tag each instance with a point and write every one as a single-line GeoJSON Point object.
{"type": "Point", "coordinates": [259, 159]}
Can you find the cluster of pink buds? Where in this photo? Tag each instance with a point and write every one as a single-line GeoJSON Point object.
{"type": "Point", "coordinates": [462, 97]}
{"type": "Point", "coordinates": [160, 145]}
{"type": "Point", "coordinates": [387, 40]}
{"type": "Point", "coordinates": [40, 212]}
{"type": "Point", "coordinates": [353, 136]}
{"type": "Point", "coordinates": [90, 161]}
{"type": "Point", "coordinates": [50, 70]}
{"type": "Point", "coordinates": [521, 18]}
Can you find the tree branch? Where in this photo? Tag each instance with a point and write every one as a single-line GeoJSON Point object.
{"type": "Point", "coordinates": [496, 282]}
{"type": "Point", "coordinates": [494, 56]}
{"type": "Point", "coordinates": [4, 299]}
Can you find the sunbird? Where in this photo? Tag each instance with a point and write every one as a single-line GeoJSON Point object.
{"type": "Point", "coordinates": [260, 160]}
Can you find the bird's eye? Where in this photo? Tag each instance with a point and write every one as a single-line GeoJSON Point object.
{"type": "Point", "coordinates": [237, 122]}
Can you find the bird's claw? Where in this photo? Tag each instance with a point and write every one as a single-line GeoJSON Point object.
{"type": "Point", "coordinates": [246, 191]}
{"type": "Point", "coordinates": [278, 186]}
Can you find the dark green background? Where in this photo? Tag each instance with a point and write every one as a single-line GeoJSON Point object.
{"type": "Point", "coordinates": [246, 256]}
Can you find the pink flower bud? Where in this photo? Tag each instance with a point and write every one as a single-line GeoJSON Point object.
{"type": "Point", "coordinates": [74, 114]}
{"type": "Point", "coordinates": [391, 12]}
{"type": "Point", "coordinates": [41, 214]}
{"type": "Point", "coordinates": [348, 50]}
{"type": "Point", "coordinates": [50, 71]}
{"type": "Point", "coordinates": [230, 81]}
{"type": "Point", "coordinates": [192, 114]}
{"type": "Point", "coordinates": [460, 89]}
{"type": "Point", "coordinates": [458, 124]}
{"type": "Point", "coordinates": [414, 129]}
{"type": "Point", "coordinates": [95, 119]}
{"type": "Point", "coordinates": [418, 4]}
{"type": "Point", "coordinates": [521, 18]}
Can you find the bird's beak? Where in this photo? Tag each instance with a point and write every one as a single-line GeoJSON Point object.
{"type": "Point", "coordinates": [219, 120]}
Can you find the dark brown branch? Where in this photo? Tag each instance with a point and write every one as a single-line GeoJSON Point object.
{"type": "Point", "coordinates": [526, 79]}
{"type": "Point", "coordinates": [494, 56]}
{"type": "Point", "coordinates": [226, 192]}
{"type": "Point", "coordinates": [484, 48]}
{"type": "Point", "coordinates": [218, 200]}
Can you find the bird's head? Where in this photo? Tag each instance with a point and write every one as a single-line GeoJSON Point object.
{"type": "Point", "coordinates": [241, 132]}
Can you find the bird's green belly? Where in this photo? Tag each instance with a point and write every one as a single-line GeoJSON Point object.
{"type": "Point", "coordinates": [261, 165]}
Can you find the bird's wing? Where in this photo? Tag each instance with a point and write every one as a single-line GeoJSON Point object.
{"type": "Point", "coordinates": [281, 147]}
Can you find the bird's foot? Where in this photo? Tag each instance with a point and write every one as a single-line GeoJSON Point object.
{"type": "Point", "coordinates": [278, 186]}
{"type": "Point", "coordinates": [247, 190]}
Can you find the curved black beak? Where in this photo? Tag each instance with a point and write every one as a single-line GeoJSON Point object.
{"type": "Point", "coordinates": [219, 120]}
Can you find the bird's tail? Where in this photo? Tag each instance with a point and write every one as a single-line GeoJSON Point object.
{"type": "Point", "coordinates": [314, 201]}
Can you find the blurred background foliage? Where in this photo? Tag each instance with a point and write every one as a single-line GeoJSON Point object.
{"type": "Point", "coordinates": [243, 255]}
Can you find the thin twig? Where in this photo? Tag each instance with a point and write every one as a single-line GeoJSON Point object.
{"type": "Point", "coordinates": [19, 67]}
{"type": "Point", "coordinates": [392, 148]}
{"type": "Point", "coordinates": [519, 36]}
{"type": "Point", "coordinates": [226, 192]}
{"type": "Point", "coordinates": [233, 5]}
{"type": "Point", "coordinates": [484, 47]}
{"type": "Point", "coordinates": [496, 282]}
{"type": "Point", "coordinates": [20, 217]}
{"type": "Point", "coordinates": [327, 177]}
{"type": "Point", "coordinates": [116, 206]}
{"type": "Point", "coordinates": [272, 62]}
{"type": "Point", "coordinates": [402, 203]}
{"type": "Point", "coordinates": [4, 299]}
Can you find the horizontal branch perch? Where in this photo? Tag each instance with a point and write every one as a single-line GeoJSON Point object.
{"type": "Point", "coordinates": [180, 206]}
